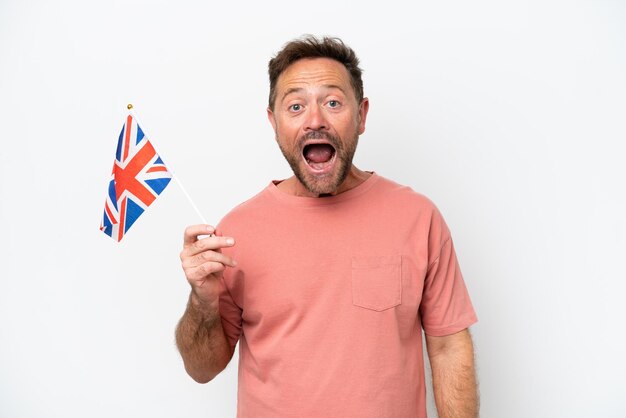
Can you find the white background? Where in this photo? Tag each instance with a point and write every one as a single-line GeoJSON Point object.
{"type": "Point", "coordinates": [509, 115]}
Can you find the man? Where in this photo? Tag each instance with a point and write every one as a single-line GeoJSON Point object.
{"type": "Point", "coordinates": [334, 273]}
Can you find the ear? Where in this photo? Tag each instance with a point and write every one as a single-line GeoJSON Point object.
{"type": "Point", "coordinates": [270, 117]}
{"type": "Point", "coordinates": [363, 109]}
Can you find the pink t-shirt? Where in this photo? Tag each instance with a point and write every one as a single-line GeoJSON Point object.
{"type": "Point", "coordinates": [330, 296]}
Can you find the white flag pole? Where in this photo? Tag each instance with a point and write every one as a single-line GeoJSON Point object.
{"type": "Point", "coordinates": [132, 113]}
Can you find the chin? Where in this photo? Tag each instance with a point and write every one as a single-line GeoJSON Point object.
{"type": "Point", "coordinates": [327, 184]}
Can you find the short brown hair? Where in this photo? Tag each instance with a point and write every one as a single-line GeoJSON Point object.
{"type": "Point", "coordinates": [309, 46]}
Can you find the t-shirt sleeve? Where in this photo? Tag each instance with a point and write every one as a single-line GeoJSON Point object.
{"type": "Point", "coordinates": [446, 307]}
{"type": "Point", "coordinates": [231, 287]}
{"type": "Point", "coordinates": [230, 314]}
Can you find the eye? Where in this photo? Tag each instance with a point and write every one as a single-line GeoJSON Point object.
{"type": "Point", "coordinates": [295, 107]}
{"type": "Point", "coordinates": [333, 103]}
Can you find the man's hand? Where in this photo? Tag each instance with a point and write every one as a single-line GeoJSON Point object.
{"type": "Point", "coordinates": [200, 337]}
{"type": "Point", "coordinates": [204, 263]}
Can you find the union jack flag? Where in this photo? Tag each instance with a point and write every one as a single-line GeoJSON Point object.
{"type": "Point", "coordinates": [139, 176]}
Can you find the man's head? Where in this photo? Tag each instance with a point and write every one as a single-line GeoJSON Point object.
{"type": "Point", "coordinates": [312, 47]}
{"type": "Point", "coordinates": [317, 110]}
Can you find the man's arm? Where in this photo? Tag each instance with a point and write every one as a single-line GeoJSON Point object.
{"type": "Point", "coordinates": [200, 337]}
{"type": "Point", "coordinates": [454, 378]}
{"type": "Point", "coordinates": [202, 342]}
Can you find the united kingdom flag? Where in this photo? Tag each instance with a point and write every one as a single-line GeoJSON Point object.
{"type": "Point", "coordinates": [139, 176]}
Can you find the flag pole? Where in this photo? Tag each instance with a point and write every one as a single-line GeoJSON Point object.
{"type": "Point", "coordinates": [130, 110]}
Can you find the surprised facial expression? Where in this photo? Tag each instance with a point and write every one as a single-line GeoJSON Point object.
{"type": "Point", "coordinates": [317, 122]}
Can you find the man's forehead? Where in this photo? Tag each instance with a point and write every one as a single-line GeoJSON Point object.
{"type": "Point", "coordinates": [315, 70]}
{"type": "Point", "coordinates": [324, 72]}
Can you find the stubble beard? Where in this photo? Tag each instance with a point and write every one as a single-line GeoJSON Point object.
{"type": "Point", "coordinates": [326, 183]}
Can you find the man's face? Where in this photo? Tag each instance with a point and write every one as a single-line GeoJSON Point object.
{"type": "Point", "coordinates": [317, 122]}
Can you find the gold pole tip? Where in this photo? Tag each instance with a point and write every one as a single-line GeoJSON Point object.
{"type": "Point", "coordinates": [130, 106]}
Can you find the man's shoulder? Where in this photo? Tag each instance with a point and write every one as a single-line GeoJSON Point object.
{"type": "Point", "coordinates": [390, 189]}
{"type": "Point", "coordinates": [249, 210]}
{"type": "Point", "coordinates": [409, 204]}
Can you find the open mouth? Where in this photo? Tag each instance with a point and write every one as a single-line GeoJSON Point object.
{"type": "Point", "coordinates": [319, 156]}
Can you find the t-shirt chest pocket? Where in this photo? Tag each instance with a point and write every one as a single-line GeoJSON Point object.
{"type": "Point", "coordinates": [377, 282]}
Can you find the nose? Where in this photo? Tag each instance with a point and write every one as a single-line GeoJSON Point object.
{"type": "Point", "coordinates": [316, 120]}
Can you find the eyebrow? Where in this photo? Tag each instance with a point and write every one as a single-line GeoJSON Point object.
{"type": "Point", "coordinates": [298, 89]}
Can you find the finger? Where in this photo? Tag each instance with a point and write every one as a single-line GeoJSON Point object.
{"type": "Point", "coordinates": [208, 256]}
{"type": "Point", "coordinates": [209, 243]}
{"type": "Point", "coordinates": [204, 270]}
{"type": "Point", "coordinates": [192, 232]}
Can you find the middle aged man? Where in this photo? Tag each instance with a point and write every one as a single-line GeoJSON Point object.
{"type": "Point", "coordinates": [337, 270]}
